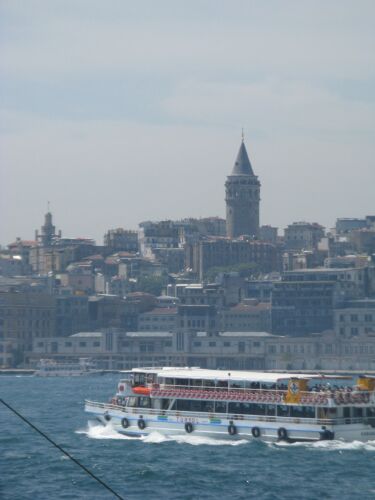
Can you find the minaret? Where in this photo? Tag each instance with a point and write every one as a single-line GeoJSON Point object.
{"type": "Point", "coordinates": [242, 197]}
{"type": "Point", "coordinates": [48, 230]}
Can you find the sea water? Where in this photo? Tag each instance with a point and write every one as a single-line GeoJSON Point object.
{"type": "Point", "coordinates": [157, 467]}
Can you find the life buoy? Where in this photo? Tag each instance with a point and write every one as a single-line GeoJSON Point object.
{"type": "Point", "coordinates": [282, 433]}
{"type": "Point", "coordinates": [189, 427]}
{"type": "Point", "coordinates": [142, 391]}
{"type": "Point", "coordinates": [255, 431]}
{"type": "Point", "coordinates": [125, 423]}
{"type": "Point", "coordinates": [107, 417]}
{"type": "Point", "coordinates": [232, 429]}
{"type": "Point", "coordinates": [141, 424]}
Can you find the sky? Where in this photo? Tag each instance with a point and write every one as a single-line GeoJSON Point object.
{"type": "Point", "coordinates": [118, 112]}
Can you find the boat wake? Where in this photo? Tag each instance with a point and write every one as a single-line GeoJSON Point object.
{"type": "Point", "coordinates": [156, 437]}
{"type": "Point", "coordinates": [99, 431]}
{"type": "Point", "coordinates": [329, 445]}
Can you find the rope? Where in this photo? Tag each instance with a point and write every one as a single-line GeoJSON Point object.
{"type": "Point", "coordinates": [62, 450]}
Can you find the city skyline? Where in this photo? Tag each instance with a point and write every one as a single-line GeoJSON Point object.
{"type": "Point", "coordinates": [135, 113]}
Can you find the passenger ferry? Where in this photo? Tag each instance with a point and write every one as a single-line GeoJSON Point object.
{"type": "Point", "coordinates": [51, 368]}
{"type": "Point", "coordinates": [241, 404]}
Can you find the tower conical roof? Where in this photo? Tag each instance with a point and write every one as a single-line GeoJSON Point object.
{"type": "Point", "coordinates": [242, 164]}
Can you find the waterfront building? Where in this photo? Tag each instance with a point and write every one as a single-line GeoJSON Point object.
{"type": "Point", "coordinates": [346, 225]}
{"type": "Point", "coordinates": [121, 240]}
{"type": "Point", "coordinates": [226, 253]}
{"type": "Point", "coordinates": [156, 235]}
{"type": "Point", "coordinates": [23, 317]}
{"type": "Point", "coordinates": [355, 318]}
{"type": "Point", "coordinates": [302, 307]}
{"type": "Point", "coordinates": [247, 316]}
{"type": "Point", "coordinates": [303, 236]}
{"type": "Point", "coordinates": [72, 313]}
{"type": "Point", "coordinates": [158, 319]}
{"type": "Point", "coordinates": [268, 233]}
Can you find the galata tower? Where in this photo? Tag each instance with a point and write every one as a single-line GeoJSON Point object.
{"type": "Point", "coordinates": [242, 197]}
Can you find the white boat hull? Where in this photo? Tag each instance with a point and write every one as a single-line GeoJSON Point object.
{"type": "Point", "coordinates": [220, 426]}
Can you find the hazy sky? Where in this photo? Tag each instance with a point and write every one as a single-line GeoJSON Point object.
{"type": "Point", "coordinates": [123, 111]}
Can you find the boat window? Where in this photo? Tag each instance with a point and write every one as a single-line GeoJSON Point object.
{"type": "Point", "coordinates": [209, 383]}
{"type": "Point", "coordinates": [182, 405]}
{"type": "Point", "coordinates": [132, 401]}
{"type": "Point", "coordinates": [196, 405]}
{"type": "Point", "coordinates": [283, 410]}
{"type": "Point", "coordinates": [207, 406]}
{"type": "Point", "coordinates": [357, 412]}
{"type": "Point", "coordinates": [222, 384]}
{"type": "Point", "coordinates": [174, 405]}
{"type": "Point", "coordinates": [182, 381]}
{"type": "Point", "coordinates": [169, 381]}
{"type": "Point", "coordinates": [302, 411]}
{"type": "Point", "coordinates": [139, 379]}
{"type": "Point", "coordinates": [144, 402]}
{"type": "Point", "coordinates": [271, 410]}
{"type": "Point", "coordinates": [235, 385]}
{"type": "Point", "coordinates": [370, 412]}
{"type": "Point", "coordinates": [196, 383]}
{"type": "Point", "coordinates": [247, 408]}
{"type": "Point", "coordinates": [165, 404]}
{"type": "Point", "coordinates": [331, 412]}
{"type": "Point", "coordinates": [256, 409]}
{"type": "Point", "coordinates": [220, 407]}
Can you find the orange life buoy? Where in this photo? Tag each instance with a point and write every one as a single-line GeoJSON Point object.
{"type": "Point", "coordinates": [143, 391]}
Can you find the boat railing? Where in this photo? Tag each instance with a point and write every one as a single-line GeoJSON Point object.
{"type": "Point", "coordinates": [188, 415]}
{"type": "Point", "coordinates": [327, 397]}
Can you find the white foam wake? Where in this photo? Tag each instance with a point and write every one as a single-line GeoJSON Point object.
{"type": "Point", "coordinates": [99, 431]}
{"type": "Point", "coordinates": [156, 437]}
{"type": "Point", "coordinates": [331, 445]}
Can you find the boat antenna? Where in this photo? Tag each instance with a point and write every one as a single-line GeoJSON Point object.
{"type": "Point", "coordinates": [62, 450]}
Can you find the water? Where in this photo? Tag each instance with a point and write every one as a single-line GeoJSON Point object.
{"type": "Point", "coordinates": [156, 467]}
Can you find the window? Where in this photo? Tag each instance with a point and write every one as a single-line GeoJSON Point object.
{"type": "Point", "coordinates": [197, 344]}
{"type": "Point", "coordinates": [82, 344]}
{"type": "Point", "coordinates": [68, 344]}
{"type": "Point", "coordinates": [368, 317]}
{"type": "Point", "coordinates": [226, 344]}
{"type": "Point", "coordinates": [96, 343]}
{"type": "Point", "coordinates": [354, 317]}
{"type": "Point", "coordinates": [212, 344]}
{"type": "Point", "coordinates": [241, 346]}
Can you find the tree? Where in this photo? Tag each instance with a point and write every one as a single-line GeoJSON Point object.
{"type": "Point", "coordinates": [150, 284]}
{"type": "Point", "coordinates": [245, 270]}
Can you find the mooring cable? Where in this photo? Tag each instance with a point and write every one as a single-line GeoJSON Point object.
{"type": "Point", "coordinates": [61, 449]}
